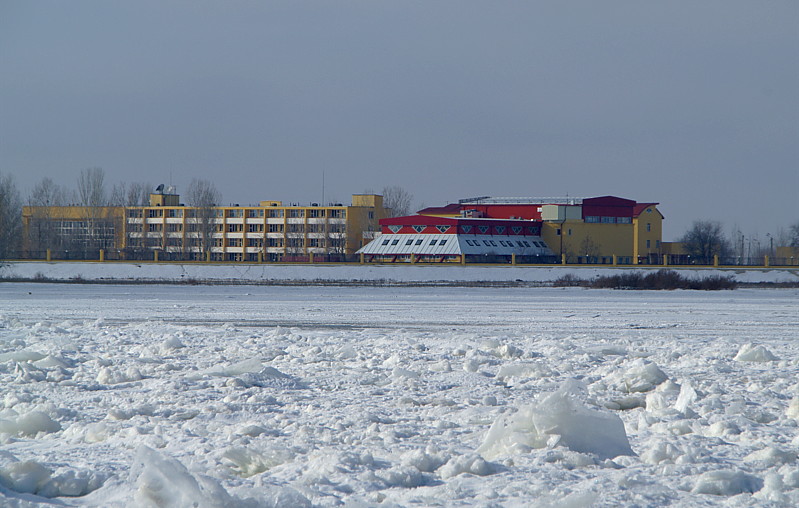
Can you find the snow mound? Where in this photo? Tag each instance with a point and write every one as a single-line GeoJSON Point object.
{"type": "Point", "coordinates": [755, 353]}
{"type": "Point", "coordinates": [726, 483]}
{"type": "Point", "coordinates": [28, 424]}
{"type": "Point", "coordinates": [637, 376]}
{"type": "Point", "coordinates": [32, 477]}
{"type": "Point", "coordinates": [557, 419]}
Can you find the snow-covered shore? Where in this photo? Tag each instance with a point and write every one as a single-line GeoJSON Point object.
{"type": "Point", "coordinates": [265, 396]}
{"type": "Point", "coordinates": [292, 273]}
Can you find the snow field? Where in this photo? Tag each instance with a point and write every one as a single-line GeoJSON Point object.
{"type": "Point", "coordinates": [180, 396]}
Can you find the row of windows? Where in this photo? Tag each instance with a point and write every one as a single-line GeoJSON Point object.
{"type": "Point", "coordinates": [596, 219]}
{"type": "Point", "coordinates": [417, 242]}
{"type": "Point", "coordinates": [504, 243]}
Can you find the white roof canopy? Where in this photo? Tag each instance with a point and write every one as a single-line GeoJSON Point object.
{"type": "Point", "coordinates": [449, 244]}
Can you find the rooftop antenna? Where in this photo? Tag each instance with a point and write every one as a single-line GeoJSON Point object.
{"type": "Point", "coordinates": [323, 188]}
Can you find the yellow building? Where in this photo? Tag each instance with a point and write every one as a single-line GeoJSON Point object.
{"type": "Point", "coordinates": [589, 230]}
{"type": "Point", "coordinates": [269, 231]}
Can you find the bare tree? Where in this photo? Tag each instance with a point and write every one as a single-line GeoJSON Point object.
{"type": "Point", "coordinates": [397, 201]}
{"type": "Point", "coordinates": [10, 217]}
{"type": "Point", "coordinates": [91, 187]}
{"type": "Point", "coordinates": [134, 194]}
{"type": "Point", "coordinates": [203, 196]}
{"type": "Point", "coordinates": [793, 235]}
{"type": "Point", "coordinates": [705, 240]}
{"type": "Point", "coordinates": [92, 196]}
{"type": "Point", "coordinates": [42, 233]}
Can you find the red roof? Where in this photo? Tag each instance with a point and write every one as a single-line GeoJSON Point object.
{"type": "Point", "coordinates": [641, 207]}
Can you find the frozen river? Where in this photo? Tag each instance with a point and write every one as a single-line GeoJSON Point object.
{"type": "Point", "coordinates": [119, 395]}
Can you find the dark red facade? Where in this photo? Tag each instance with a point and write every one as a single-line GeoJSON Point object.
{"type": "Point", "coordinates": [425, 224]}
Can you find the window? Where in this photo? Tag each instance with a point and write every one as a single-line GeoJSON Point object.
{"type": "Point", "coordinates": [409, 242]}
{"type": "Point", "coordinates": [235, 228]}
{"type": "Point", "coordinates": [275, 213]}
{"type": "Point", "coordinates": [234, 242]}
{"type": "Point", "coordinates": [648, 243]}
{"type": "Point", "coordinates": [557, 232]}
{"type": "Point", "coordinates": [253, 214]}
{"type": "Point", "coordinates": [608, 220]}
{"type": "Point", "coordinates": [592, 219]}
{"type": "Point", "coordinates": [433, 242]}
{"type": "Point", "coordinates": [236, 213]}
{"type": "Point", "coordinates": [315, 213]}
{"type": "Point", "coordinates": [255, 228]}
{"type": "Point", "coordinates": [255, 242]}
{"type": "Point", "coordinates": [526, 244]}
{"type": "Point", "coordinates": [442, 242]}
{"type": "Point", "coordinates": [385, 242]}
{"type": "Point", "coordinates": [493, 243]}
{"type": "Point", "coordinates": [134, 213]}
{"type": "Point", "coordinates": [624, 220]}
{"type": "Point", "coordinates": [174, 228]}
{"type": "Point", "coordinates": [570, 231]}
{"type": "Point", "coordinates": [395, 242]}
{"type": "Point", "coordinates": [419, 241]}
{"type": "Point", "coordinates": [155, 213]}
{"type": "Point", "coordinates": [295, 213]}
{"type": "Point", "coordinates": [174, 213]}
{"type": "Point", "coordinates": [276, 228]}
{"type": "Point", "coordinates": [648, 227]}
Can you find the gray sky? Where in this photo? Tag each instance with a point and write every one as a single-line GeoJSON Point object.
{"type": "Point", "coordinates": [694, 105]}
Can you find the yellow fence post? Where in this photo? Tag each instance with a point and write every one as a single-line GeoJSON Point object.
{"type": "Point", "coordinates": [155, 256]}
{"type": "Point", "coordinates": [716, 260]}
{"type": "Point", "coordinates": [413, 259]}
{"type": "Point", "coordinates": [49, 255]}
{"type": "Point", "coordinates": [260, 257]}
{"type": "Point", "coordinates": [563, 259]}
{"type": "Point", "coordinates": [513, 258]}
{"type": "Point", "coordinates": [208, 256]}
{"type": "Point", "coordinates": [665, 260]}
{"type": "Point", "coordinates": [361, 258]}
{"type": "Point", "coordinates": [310, 257]}
{"type": "Point", "coordinates": [463, 259]}
{"type": "Point", "coordinates": [102, 255]}
{"type": "Point", "coordinates": [615, 260]}
{"type": "Point", "coordinates": [766, 261]}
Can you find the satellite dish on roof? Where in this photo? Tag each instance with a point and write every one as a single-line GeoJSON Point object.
{"type": "Point", "coordinates": [170, 189]}
{"type": "Point", "coordinates": [160, 189]}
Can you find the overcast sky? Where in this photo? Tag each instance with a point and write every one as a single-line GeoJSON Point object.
{"type": "Point", "coordinates": [693, 104]}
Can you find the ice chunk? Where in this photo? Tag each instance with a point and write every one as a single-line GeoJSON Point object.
{"type": "Point", "coordinates": [726, 483]}
{"type": "Point", "coordinates": [638, 376]}
{"type": "Point", "coordinates": [425, 461]}
{"type": "Point", "coordinates": [247, 462]}
{"type": "Point", "coordinates": [22, 476]}
{"type": "Point", "coordinates": [558, 419]}
{"type": "Point", "coordinates": [113, 376]}
{"type": "Point", "coordinates": [687, 397]}
{"type": "Point", "coordinates": [164, 482]}
{"type": "Point", "coordinates": [28, 424]}
{"type": "Point", "coordinates": [793, 409]}
{"type": "Point", "coordinates": [754, 353]}
{"type": "Point", "coordinates": [470, 463]}
{"type": "Point", "coordinates": [523, 370]}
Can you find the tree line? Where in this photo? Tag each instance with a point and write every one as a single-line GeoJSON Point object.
{"type": "Point", "coordinates": [705, 240]}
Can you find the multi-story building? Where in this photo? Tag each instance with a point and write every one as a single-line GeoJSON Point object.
{"type": "Point", "coordinates": [270, 231]}
{"type": "Point", "coordinates": [592, 230]}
